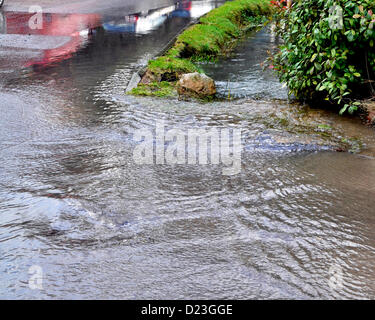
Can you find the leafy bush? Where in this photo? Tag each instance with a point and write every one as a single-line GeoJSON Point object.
{"type": "Point", "coordinates": [325, 57]}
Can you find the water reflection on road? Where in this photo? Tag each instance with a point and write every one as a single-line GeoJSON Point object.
{"type": "Point", "coordinates": [73, 201]}
{"type": "Point", "coordinates": [56, 37]}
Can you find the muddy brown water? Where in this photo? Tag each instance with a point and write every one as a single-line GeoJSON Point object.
{"type": "Point", "coordinates": [296, 222]}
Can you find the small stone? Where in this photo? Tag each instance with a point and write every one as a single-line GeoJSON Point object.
{"type": "Point", "coordinates": [370, 109]}
{"type": "Point", "coordinates": [371, 117]}
{"type": "Point", "coordinates": [149, 77]}
{"type": "Point", "coordinates": [196, 85]}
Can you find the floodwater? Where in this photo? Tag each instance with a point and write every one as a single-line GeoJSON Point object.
{"type": "Point", "coordinates": [297, 221]}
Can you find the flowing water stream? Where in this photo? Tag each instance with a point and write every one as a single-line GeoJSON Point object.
{"type": "Point", "coordinates": [298, 221]}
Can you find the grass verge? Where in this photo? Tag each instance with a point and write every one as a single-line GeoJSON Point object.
{"type": "Point", "coordinates": [162, 89]}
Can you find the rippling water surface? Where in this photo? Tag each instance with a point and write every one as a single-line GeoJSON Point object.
{"type": "Point", "coordinates": [73, 201]}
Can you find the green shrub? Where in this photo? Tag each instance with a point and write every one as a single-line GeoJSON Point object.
{"type": "Point", "coordinates": [322, 59]}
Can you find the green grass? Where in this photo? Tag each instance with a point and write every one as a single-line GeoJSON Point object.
{"type": "Point", "coordinates": [219, 27]}
{"type": "Point", "coordinates": [170, 68]}
{"type": "Point", "coordinates": [203, 40]}
{"type": "Point", "coordinates": [156, 89]}
{"type": "Point", "coordinates": [225, 25]}
{"type": "Point", "coordinates": [238, 12]}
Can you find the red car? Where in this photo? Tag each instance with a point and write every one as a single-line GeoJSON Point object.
{"type": "Point", "coordinates": [70, 31]}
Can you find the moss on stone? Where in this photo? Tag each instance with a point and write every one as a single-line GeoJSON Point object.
{"type": "Point", "coordinates": [162, 89]}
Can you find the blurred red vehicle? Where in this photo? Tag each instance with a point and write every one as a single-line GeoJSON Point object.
{"type": "Point", "coordinates": [69, 32]}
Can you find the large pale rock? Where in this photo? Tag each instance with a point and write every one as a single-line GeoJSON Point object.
{"type": "Point", "coordinates": [370, 110]}
{"type": "Point", "coordinates": [196, 85]}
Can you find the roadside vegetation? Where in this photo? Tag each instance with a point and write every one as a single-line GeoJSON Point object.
{"type": "Point", "coordinates": [214, 35]}
{"type": "Point", "coordinates": [328, 53]}
{"type": "Point", "coordinates": [161, 89]}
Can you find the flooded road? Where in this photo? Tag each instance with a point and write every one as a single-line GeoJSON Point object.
{"type": "Point", "coordinates": [296, 222]}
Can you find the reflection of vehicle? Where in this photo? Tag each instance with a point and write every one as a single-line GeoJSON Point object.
{"type": "Point", "coordinates": [147, 21]}
{"type": "Point", "coordinates": [182, 9]}
{"type": "Point", "coordinates": [140, 23]}
{"type": "Point", "coordinates": [60, 36]}
{"type": "Point", "coordinates": [127, 24]}
{"type": "Point", "coordinates": [199, 8]}
{"type": "Point", "coordinates": [3, 26]}
{"type": "Point", "coordinates": [1, 3]}
{"type": "Point", "coordinates": [153, 20]}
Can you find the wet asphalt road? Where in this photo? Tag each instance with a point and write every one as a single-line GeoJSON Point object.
{"type": "Point", "coordinates": [74, 203]}
{"type": "Point", "coordinates": [86, 6]}
{"type": "Point", "coordinates": [20, 44]}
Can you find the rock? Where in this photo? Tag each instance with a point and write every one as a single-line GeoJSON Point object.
{"type": "Point", "coordinates": [149, 77]}
{"type": "Point", "coordinates": [370, 110]}
{"type": "Point", "coordinates": [371, 117]}
{"type": "Point", "coordinates": [196, 85]}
